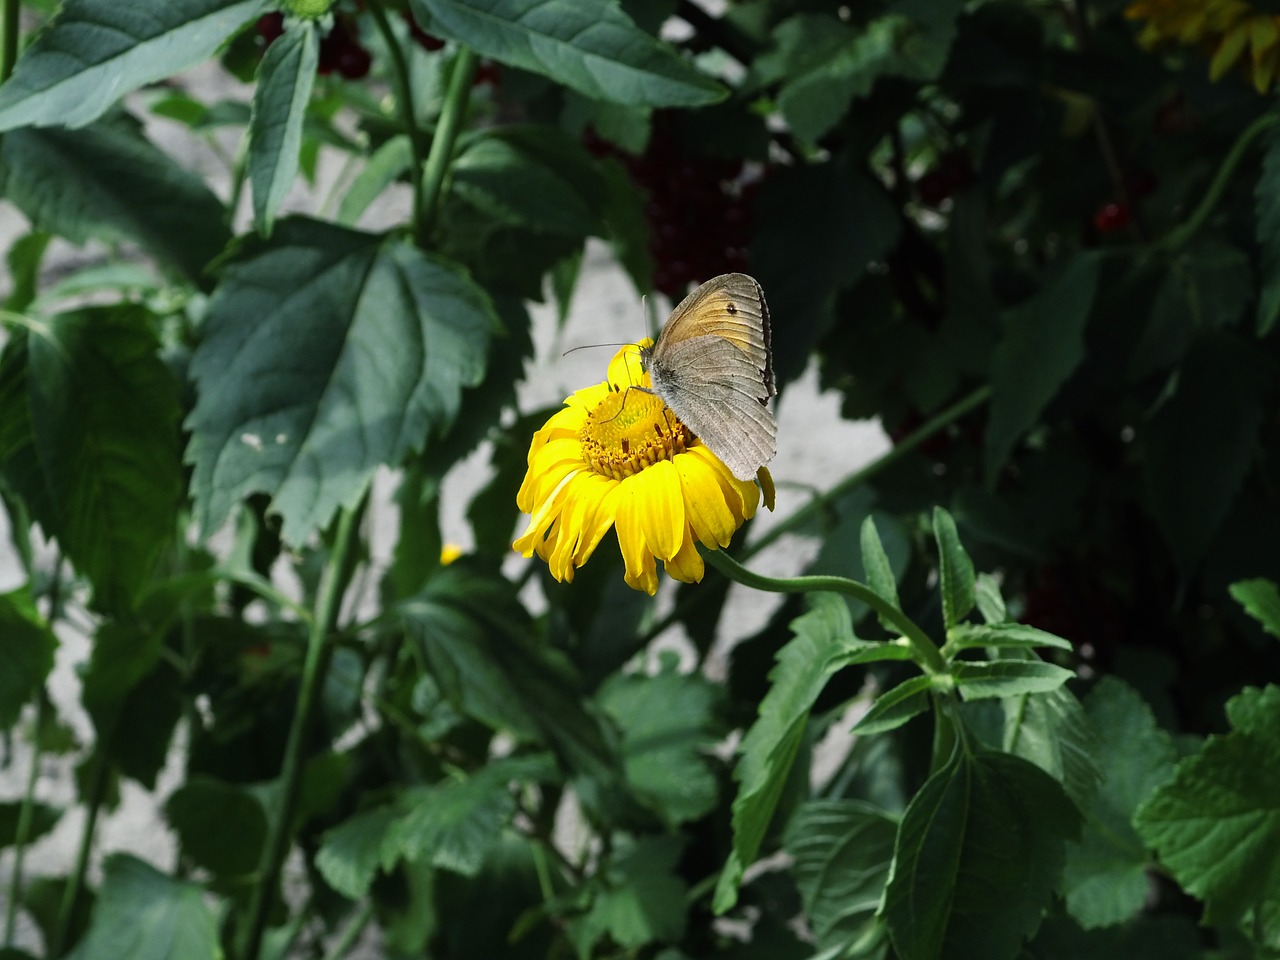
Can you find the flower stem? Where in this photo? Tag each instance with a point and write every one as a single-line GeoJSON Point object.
{"type": "Point", "coordinates": [404, 96]}
{"type": "Point", "coordinates": [23, 829]}
{"type": "Point", "coordinates": [100, 778]}
{"type": "Point", "coordinates": [442, 144]}
{"type": "Point", "coordinates": [927, 653]}
{"type": "Point", "coordinates": [351, 932]}
{"type": "Point", "coordinates": [8, 37]}
{"type": "Point", "coordinates": [328, 598]}
{"type": "Point", "coordinates": [818, 504]}
{"type": "Point", "coordinates": [1177, 237]}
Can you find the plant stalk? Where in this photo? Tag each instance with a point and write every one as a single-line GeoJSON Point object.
{"type": "Point", "coordinates": [328, 599]}
{"type": "Point", "coordinates": [101, 777]}
{"type": "Point", "coordinates": [8, 37]}
{"type": "Point", "coordinates": [927, 653]}
{"type": "Point", "coordinates": [351, 932]}
{"type": "Point", "coordinates": [404, 96]}
{"type": "Point", "coordinates": [446, 136]}
{"type": "Point", "coordinates": [26, 813]}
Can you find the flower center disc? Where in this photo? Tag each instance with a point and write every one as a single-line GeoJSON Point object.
{"type": "Point", "coordinates": [628, 431]}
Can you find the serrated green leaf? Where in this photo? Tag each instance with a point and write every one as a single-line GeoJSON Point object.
{"type": "Point", "coordinates": [1105, 880]}
{"type": "Point", "coordinates": [351, 853]}
{"type": "Point", "coordinates": [1216, 824]}
{"type": "Point", "coordinates": [642, 898]}
{"type": "Point", "coordinates": [1052, 731]}
{"type": "Point", "coordinates": [285, 78]}
{"type": "Point", "coordinates": [221, 826]}
{"type": "Point", "coordinates": [1261, 599]}
{"type": "Point", "coordinates": [666, 726]}
{"type": "Point", "coordinates": [90, 441]}
{"type": "Point", "coordinates": [875, 562]}
{"type": "Point", "coordinates": [108, 182]}
{"type": "Point", "coordinates": [1267, 196]}
{"type": "Point", "coordinates": [876, 651]}
{"type": "Point", "coordinates": [43, 819]}
{"type": "Point", "coordinates": [978, 854]}
{"type": "Point", "coordinates": [990, 602]}
{"type": "Point", "coordinates": [1043, 343]}
{"type": "Point", "coordinates": [327, 353]}
{"type": "Point", "coordinates": [26, 653]}
{"type": "Point", "coordinates": [96, 51]}
{"type": "Point", "coordinates": [895, 707]}
{"type": "Point", "coordinates": [980, 680]}
{"type": "Point", "coordinates": [593, 48]}
{"type": "Point", "coordinates": [768, 750]}
{"type": "Point", "coordinates": [967, 636]}
{"type": "Point", "coordinates": [142, 914]}
{"type": "Point", "coordinates": [1198, 447]}
{"type": "Point", "coordinates": [955, 570]}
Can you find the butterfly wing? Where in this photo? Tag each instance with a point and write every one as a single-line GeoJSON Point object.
{"type": "Point", "coordinates": [731, 306]}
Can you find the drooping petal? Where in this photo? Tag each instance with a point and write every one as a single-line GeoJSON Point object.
{"type": "Point", "coordinates": [687, 565]}
{"type": "Point", "coordinates": [641, 570]}
{"type": "Point", "coordinates": [661, 508]}
{"type": "Point", "coordinates": [710, 517]}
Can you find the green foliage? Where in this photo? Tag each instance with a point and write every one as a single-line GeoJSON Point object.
{"type": "Point", "coordinates": [1041, 256]}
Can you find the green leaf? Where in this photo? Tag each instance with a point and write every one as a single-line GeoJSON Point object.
{"type": "Point", "coordinates": [385, 165]}
{"type": "Point", "coordinates": [1105, 880]}
{"type": "Point", "coordinates": [24, 258]}
{"type": "Point", "coordinates": [351, 853]}
{"type": "Point", "coordinates": [515, 187]}
{"type": "Point", "coordinates": [593, 48]}
{"type": "Point", "coordinates": [1200, 444]}
{"type": "Point", "coordinates": [285, 78]}
{"type": "Point", "coordinates": [1216, 824]}
{"type": "Point", "coordinates": [880, 575]}
{"type": "Point", "coordinates": [1261, 599]}
{"type": "Point", "coordinates": [221, 826]}
{"type": "Point", "coordinates": [1267, 197]}
{"type": "Point", "coordinates": [108, 182]}
{"type": "Point", "coordinates": [895, 707]}
{"type": "Point", "coordinates": [90, 441]}
{"type": "Point", "coordinates": [768, 750]}
{"type": "Point", "coordinates": [326, 354]}
{"type": "Point", "coordinates": [980, 680]}
{"type": "Point", "coordinates": [978, 854]}
{"type": "Point", "coordinates": [43, 819]}
{"type": "Point", "coordinates": [96, 51]}
{"type": "Point", "coordinates": [1053, 732]}
{"type": "Point", "coordinates": [966, 636]}
{"type": "Point", "coordinates": [842, 850]}
{"type": "Point", "coordinates": [955, 570]}
{"type": "Point", "coordinates": [666, 726]}
{"type": "Point", "coordinates": [1043, 343]}
{"type": "Point", "coordinates": [642, 897]}
{"type": "Point", "coordinates": [26, 653]}
{"type": "Point", "coordinates": [142, 914]}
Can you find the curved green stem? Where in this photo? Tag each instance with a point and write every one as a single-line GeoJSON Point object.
{"type": "Point", "coordinates": [100, 779]}
{"type": "Point", "coordinates": [442, 144]}
{"type": "Point", "coordinates": [26, 813]}
{"type": "Point", "coordinates": [815, 506]}
{"type": "Point", "coordinates": [927, 653]}
{"type": "Point", "coordinates": [351, 932]}
{"type": "Point", "coordinates": [328, 600]}
{"type": "Point", "coordinates": [8, 37]}
{"type": "Point", "coordinates": [404, 96]}
{"type": "Point", "coordinates": [1185, 231]}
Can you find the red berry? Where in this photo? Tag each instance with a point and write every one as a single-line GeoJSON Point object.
{"type": "Point", "coordinates": [425, 40]}
{"type": "Point", "coordinates": [270, 27]}
{"type": "Point", "coordinates": [353, 61]}
{"type": "Point", "coordinates": [487, 73]}
{"type": "Point", "coordinates": [933, 189]}
{"type": "Point", "coordinates": [1112, 217]}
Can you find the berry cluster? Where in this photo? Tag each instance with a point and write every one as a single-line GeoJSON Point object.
{"type": "Point", "coordinates": [698, 209]}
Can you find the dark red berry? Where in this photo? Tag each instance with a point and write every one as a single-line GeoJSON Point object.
{"type": "Point", "coordinates": [933, 189]}
{"type": "Point", "coordinates": [487, 73]}
{"type": "Point", "coordinates": [425, 40]}
{"type": "Point", "coordinates": [1112, 217]}
{"type": "Point", "coordinates": [270, 27]}
{"type": "Point", "coordinates": [353, 61]}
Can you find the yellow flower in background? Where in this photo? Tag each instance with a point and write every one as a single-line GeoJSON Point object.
{"type": "Point", "coordinates": [619, 458]}
{"type": "Point", "coordinates": [1228, 28]}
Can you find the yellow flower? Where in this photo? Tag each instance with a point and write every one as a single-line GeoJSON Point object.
{"type": "Point", "coordinates": [1226, 28]}
{"type": "Point", "coordinates": [615, 457]}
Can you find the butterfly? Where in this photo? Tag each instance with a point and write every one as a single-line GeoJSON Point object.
{"type": "Point", "coordinates": [712, 364]}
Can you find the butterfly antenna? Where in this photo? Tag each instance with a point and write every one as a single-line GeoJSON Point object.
{"type": "Point", "coordinates": [591, 346]}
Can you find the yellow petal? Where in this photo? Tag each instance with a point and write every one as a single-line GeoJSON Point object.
{"type": "Point", "coordinates": [1228, 51]}
{"type": "Point", "coordinates": [597, 522]}
{"type": "Point", "coordinates": [661, 508]}
{"type": "Point", "coordinates": [1264, 70]}
{"type": "Point", "coordinates": [767, 488]}
{"type": "Point", "coordinates": [687, 564]}
{"type": "Point", "coordinates": [712, 521]}
{"type": "Point", "coordinates": [1262, 34]}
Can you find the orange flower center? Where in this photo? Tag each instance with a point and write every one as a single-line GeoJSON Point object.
{"type": "Point", "coordinates": [628, 431]}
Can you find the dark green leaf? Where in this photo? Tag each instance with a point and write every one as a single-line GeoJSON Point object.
{"type": "Point", "coordinates": [1261, 599]}
{"type": "Point", "coordinates": [642, 897]}
{"type": "Point", "coordinates": [986, 593]}
{"type": "Point", "coordinates": [955, 570]}
{"type": "Point", "coordinates": [1199, 445]}
{"type": "Point", "coordinates": [1043, 344]}
{"type": "Point", "coordinates": [90, 441]}
{"type": "Point", "coordinates": [285, 78]}
{"type": "Point", "coordinates": [385, 165]}
{"type": "Point", "coordinates": [880, 575]}
{"type": "Point", "coordinates": [26, 653]}
{"type": "Point", "coordinates": [108, 182]}
{"type": "Point", "coordinates": [142, 914]}
{"type": "Point", "coordinates": [592, 48]}
{"type": "Point", "coordinates": [1216, 824]}
{"type": "Point", "coordinates": [96, 51]}
{"type": "Point", "coordinates": [966, 636]}
{"type": "Point", "coordinates": [842, 850]}
{"type": "Point", "coordinates": [1146, 937]}
{"type": "Point", "coordinates": [24, 259]}
{"type": "Point", "coordinates": [1268, 204]}
{"type": "Point", "coordinates": [43, 819]}
{"type": "Point", "coordinates": [895, 707]}
{"type": "Point", "coordinates": [1053, 732]}
{"type": "Point", "coordinates": [876, 651]}
{"type": "Point", "coordinates": [979, 852]}
{"type": "Point", "coordinates": [221, 826]}
{"type": "Point", "coordinates": [768, 750]}
{"type": "Point", "coordinates": [351, 853]}
{"type": "Point", "coordinates": [980, 680]}
{"type": "Point", "coordinates": [666, 727]}
{"type": "Point", "coordinates": [1105, 881]}
{"type": "Point", "coordinates": [327, 353]}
